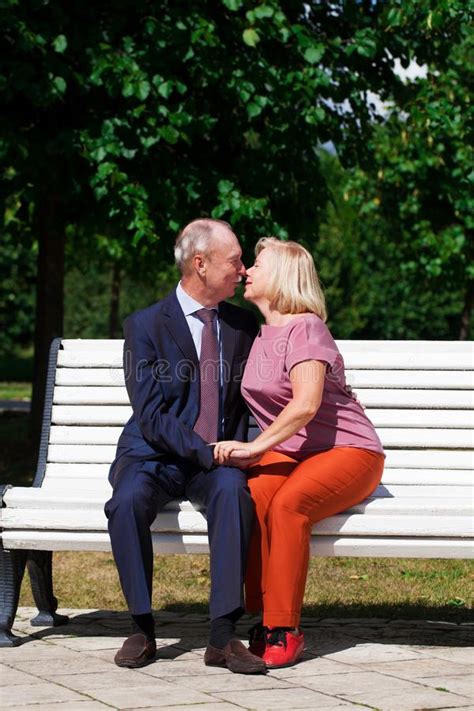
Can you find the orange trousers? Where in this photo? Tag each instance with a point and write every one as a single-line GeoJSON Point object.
{"type": "Point", "coordinates": [291, 496]}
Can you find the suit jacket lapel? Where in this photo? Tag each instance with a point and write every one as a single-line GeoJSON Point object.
{"type": "Point", "coordinates": [178, 328]}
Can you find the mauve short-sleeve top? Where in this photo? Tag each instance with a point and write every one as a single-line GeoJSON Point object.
{"type": "Point", "coordinates": [266, 387]}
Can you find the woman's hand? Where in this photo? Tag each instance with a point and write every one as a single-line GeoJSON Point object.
{"type": "Point", "coordinates": [232, 449]}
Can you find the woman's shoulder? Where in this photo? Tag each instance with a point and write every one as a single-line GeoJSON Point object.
{"type": "Point", "coordinates": [310, 328]}
{"type": "Point", "coordinates": [299, 329]}
{"type": "Point", "coordinates": [308, 323]}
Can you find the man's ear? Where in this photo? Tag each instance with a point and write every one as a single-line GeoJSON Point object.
{"type": "Point", "coordinates": [199, 264]}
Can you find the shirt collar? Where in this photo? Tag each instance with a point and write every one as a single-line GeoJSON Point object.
{"type": "Point", "coordinates": [187, 303]}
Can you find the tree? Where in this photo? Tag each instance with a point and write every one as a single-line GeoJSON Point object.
{"type": "Point", "coordinates": [125, 121]}
{"type": "Point", "coordinates": [417, 192]}
{"type": "Point", "coordinates": [17, 283]}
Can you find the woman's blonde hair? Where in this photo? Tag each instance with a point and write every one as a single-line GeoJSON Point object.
{"type": "Point", "coordinates": [294, 287]}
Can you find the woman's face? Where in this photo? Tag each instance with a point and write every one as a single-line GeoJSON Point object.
{"type": "Point", "coordinates": [258, 277]}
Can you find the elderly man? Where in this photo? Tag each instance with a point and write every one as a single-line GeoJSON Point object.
{"type": "Point", "coordinates": [184, 358]}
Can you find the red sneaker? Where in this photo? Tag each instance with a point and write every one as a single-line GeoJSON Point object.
{"type": "Point", "coordinates": [257, 635]}
{"type": "Point", "coordinates": [283, 648]}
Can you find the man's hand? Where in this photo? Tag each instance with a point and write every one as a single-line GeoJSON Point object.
{"type": "Point", "coordinates": [243, 463]}
{"type": "Point", "coordinates": [232, 449]}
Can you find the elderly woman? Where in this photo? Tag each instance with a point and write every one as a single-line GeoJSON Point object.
{"type": "Point", "coordinates": [319, 452]}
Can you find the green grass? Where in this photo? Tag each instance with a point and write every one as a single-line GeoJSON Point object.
{"type": "Point", "coordinates": [337, 587]}
{"type": "Point", "coordinates": [15, 391]}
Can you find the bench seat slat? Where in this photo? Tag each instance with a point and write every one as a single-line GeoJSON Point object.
{"type": "Point", "coordinates": [437, 379]}
{"type": "Point", "coordinates": [119, 415]}
{"type": "Point", "coordinates": [384, 500]}
{"type": "Point", "coordinates": [323, 546]}
{"type": "Point", "coordinates": [24, 497]}
{"type": "Point", "coordinates": [61, 487]}
{"type": "Point", "coordinates": [442, 525]}
{"type": "Point", "coordinates": [440, 478]}
{"type": "Point", "coordinates": [370, 397]}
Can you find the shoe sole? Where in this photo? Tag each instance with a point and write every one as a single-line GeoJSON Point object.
{"type": "Point", "coordinates": [220, 665]}
{"type": "Point", "coordinates": [135, 665]}
{"type": "Point", "coordinates": [237, 667]}
{"type": "Point", "coordinates": [285, 666]}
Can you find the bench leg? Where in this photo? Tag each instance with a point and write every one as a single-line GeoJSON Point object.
{"type": "Point", "coordinates": [12, 568]}
{"type": "Point", "coordinates": [40, 570]}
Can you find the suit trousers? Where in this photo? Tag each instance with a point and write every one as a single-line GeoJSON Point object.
{"type": "Point", "coordinates": [290, 497]}
{"type": "Point", "coordinates": [142, 488]}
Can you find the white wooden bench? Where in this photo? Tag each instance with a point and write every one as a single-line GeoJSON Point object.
{"type": "Point", "coordinates": [419, 394]}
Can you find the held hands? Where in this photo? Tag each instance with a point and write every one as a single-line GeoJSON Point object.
{"type": "Point", "coordinates": [239, 454]}
{"type": "Point", "coordinates": [243, 464]}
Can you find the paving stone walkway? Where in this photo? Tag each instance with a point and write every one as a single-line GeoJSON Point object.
{"type": "Point", "coordinates": [376, 664]}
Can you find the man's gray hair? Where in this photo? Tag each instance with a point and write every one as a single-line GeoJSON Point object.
{"type": "Point", "coordinates": [193, 239]}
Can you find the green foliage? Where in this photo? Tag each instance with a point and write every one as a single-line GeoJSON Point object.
{"type": "Point", "coordinates": [369, 293]}
{"type": "Point", "coordinates": [123, 124]}
{"type": "Point", "coordinates": [17, 284]}
{"type": "Point", "coordinates": [88, 288]}
{"type": "Point", "coordinates": [417, 192]}
{"type": "Point", "coordinates": [142, 117]}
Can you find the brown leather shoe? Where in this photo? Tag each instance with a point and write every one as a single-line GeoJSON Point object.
{"type": "Point", "coordinates": [136, 651]}
{"type": "Point", "coordinates": [236, 657]}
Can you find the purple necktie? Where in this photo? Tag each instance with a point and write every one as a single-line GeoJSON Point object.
{"type": "Point", "coordinates": [206, 423]}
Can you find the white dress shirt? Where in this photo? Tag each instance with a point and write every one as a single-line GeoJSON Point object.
{"type": "Point", "coordinates": [189, 307]}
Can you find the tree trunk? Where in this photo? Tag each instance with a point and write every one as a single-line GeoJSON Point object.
{"type": "Point", "coordinates": [466, 313]}
{"type": "Point", "coordinates": [49, 299]}
{"type": "Point", "coordinates": [114, 325]}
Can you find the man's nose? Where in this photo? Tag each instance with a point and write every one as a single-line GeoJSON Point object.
{"type": "Point", "coordinates": [242, 270]}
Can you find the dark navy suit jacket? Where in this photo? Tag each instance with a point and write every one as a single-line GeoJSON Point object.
{"type": "Point", "coordinates": [162, 379]}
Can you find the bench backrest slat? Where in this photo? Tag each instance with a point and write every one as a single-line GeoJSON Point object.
{"type": "Point", "coordinates": [419, 394]}
{"type": "Point", "coordinates": [107, 415]}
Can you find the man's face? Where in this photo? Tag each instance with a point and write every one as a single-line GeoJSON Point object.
{"type": "Point", "coordinates": [224, 267]}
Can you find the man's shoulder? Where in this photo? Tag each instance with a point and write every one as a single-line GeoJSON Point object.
{"type": "Point", "coordinates": [238, 316]}
{"type": "Point", "coordinates": [153, 311]}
